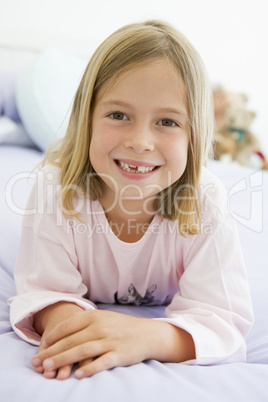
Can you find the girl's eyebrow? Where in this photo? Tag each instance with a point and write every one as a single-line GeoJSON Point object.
{"type": "Point", "coordinates": [114, 102]}
{"type": "Point", "coordinates": [182, 112]}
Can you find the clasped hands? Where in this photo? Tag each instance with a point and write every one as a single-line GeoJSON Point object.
{"type": "Point", "coordinates": [98, 340]}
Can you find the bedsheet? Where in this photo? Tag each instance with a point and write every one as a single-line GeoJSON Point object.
{"type": "Point", "coordinates": [149, 380]}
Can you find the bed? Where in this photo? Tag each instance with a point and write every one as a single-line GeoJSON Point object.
{"type": "Point", "coordinates": [21, 149]}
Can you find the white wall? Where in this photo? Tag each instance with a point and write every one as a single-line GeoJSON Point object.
{"type": "Point", "coordinates": [231, 35]}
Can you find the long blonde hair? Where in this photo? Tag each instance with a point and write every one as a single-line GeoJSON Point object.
{"type": "Point", "coordinates": [126, 48]}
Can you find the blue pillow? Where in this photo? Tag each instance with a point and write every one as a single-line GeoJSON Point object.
{"type": "Point", "coordinates": [44, 94]}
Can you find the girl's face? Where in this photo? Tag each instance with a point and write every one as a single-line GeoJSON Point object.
{"type": "Point", "coordinates": [140, 132]}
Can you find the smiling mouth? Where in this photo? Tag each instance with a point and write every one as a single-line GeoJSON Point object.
{"type": "Point", "coordinates": [135, 169]}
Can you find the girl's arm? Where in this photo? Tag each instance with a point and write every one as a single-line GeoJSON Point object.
{"type": "Point", "coordinates": [46, 270]}
{"type": "Point", "coordinates": [101, 340]}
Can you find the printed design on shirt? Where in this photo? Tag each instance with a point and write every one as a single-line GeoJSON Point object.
{"type": "Point", "coordinates": [134, 297]}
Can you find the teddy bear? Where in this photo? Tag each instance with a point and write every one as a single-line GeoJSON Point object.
{"type": "Point", "coordinates": [222, 100]}
{"type": "Point", "coordinates": [234, 142]}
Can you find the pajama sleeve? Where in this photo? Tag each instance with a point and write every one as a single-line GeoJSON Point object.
{"type": "Point", "coordinates": [47, 269]}
{"type": "Point", "coordinates": [213, 303]}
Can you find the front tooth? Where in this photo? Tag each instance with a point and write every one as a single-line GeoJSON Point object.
{"type": "Point", "coordinates": [142, 169]}
{"type": "Point", "coordinates": [132, 168]}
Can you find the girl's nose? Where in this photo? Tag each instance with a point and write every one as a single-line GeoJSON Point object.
{"type": "Point", "coordinates": [140, 140]}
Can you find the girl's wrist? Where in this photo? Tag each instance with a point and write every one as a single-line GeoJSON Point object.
{"type": "Point", "coordinates": [172, 344]}
{"type": "Point", "coordinates": [38, 320]}
{"type": "Point", "coordinates": [53, 315]}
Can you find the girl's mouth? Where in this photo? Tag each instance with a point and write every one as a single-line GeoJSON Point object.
{"type": "Point", "coordinates": [135, 169]}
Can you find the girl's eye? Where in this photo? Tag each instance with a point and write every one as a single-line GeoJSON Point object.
{"type": "Point", "coordinates": [167, 123]}
{"type": "Point", "coordinates": [118, 116]}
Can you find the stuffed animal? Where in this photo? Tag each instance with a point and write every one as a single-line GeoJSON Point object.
{"type": "Point", "coordinates": [234, 142]}
{"type": "Point", "coordinates": [224, 100]}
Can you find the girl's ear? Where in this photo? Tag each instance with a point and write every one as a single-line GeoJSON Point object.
{"type": "Point", "coordinates": [131, 288]}
{"type": "Point", "coordinates": [151, 289]}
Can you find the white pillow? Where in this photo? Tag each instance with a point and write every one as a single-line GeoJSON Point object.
{"type": "Point", "coordinates": [45, 92]}
{"type": "Point", "coordinates": [13, 133]}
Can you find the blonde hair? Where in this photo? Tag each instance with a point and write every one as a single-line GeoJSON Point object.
{"type": "Point", "coordinates": [127, 48]}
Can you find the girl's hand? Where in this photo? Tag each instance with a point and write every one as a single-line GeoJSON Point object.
{"type": "Point", "coordinates": [101, 340]}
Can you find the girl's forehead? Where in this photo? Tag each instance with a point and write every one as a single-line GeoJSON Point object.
{"type": "Point", "coordinates": [146, 77]}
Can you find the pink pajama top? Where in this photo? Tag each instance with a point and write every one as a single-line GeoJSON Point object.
{"type": "Point", "coordinates": [200, 278]}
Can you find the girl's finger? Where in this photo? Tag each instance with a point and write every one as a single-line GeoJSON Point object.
{"type": "Point", "coordinates": [39, 370]}
{"type": "Point", "coordinates": [65, 344]}
{"type": "Point", "coordinates": [37, 363]}
{"type": "Point", "coordinates": [66, 328]}
{"type": "Point", "coordinates": [50, 374]}
{"type": "Point", "coordinates": [88, 350]}
{"type": "Point", "coordinates": [85, 362]}
{"type": "Point", "coordinates": [105, 362]}
{"type": "Point", "coordinates": [64, 372]}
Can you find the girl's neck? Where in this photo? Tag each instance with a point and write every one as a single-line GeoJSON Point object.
{"type": "Point", "coordinates": [128, 220]}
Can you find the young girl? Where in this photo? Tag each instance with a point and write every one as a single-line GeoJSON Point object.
{"type": "Point", "coordinates": [124, 212]}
